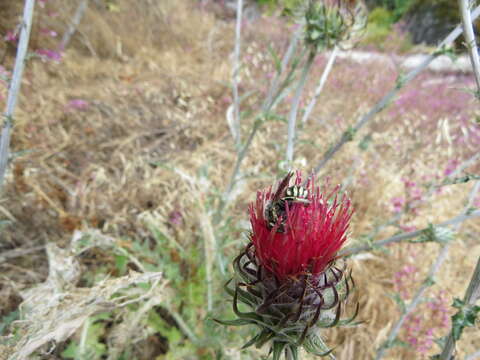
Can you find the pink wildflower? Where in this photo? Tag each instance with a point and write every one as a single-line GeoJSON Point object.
{"type": "Point", "coordinates": [78, 104]}
{"type": "Point", "coordinates": [49, 54]}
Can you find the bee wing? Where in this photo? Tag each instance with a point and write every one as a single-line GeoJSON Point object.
{"type": "Point", "coordinates": [281, 187]}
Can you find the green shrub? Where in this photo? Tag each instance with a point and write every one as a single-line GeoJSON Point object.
{"type": "Point", "coordinates": [376, 34]}
{"type": "Point", "coordinates": [381, 17]}
{"type": "Point", "coordinates": [379, 26]}
{"type": "Point", "coordinates": [397, 7]}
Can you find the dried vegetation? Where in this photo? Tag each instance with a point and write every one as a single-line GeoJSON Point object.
{"type": "Point", "coordinates": [152, 146]}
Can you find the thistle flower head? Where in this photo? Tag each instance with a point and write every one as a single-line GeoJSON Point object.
{"type": "Point", "coordinates": [315, 230]}
{"type": "Point", "coordinates": [330, 23]}
{"type": "Point", "coordinates": [289, 274]}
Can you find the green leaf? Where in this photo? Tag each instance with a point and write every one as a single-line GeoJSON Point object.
{"type": "Point", "coordinates": [400, 343]}
{"type": "Point", "coordinates": [394, 343]}
{"type": "Point", "coordinates": [429, 281]}
{"type": "Point", "coordinates": [315, 345]}
{"type": "Point", "coordinates": [158, 324]}
{"type": "Point", "coordinates": [71, 351]}
{"type": "Point", "coordinates": [365, 142]}
{"type": "Point", "coordinates": [349, 321]}
{"type": "Point", "coordinates": [252, 341]}
{"type": "Point", "coordinates": [349, 134]}
{"type": "Point", "coordinates": [440, 234]}
{"type": "Point", "coordinates": [315, 34]}
{"type": "Point", "coordinates": [448, 51]}
{"type": "Point", "coordinates": [278, 349]}
{"type": "Point", "coordinates": [234, 322]}
{"type": "Point", "coordinates": [121, 262]}
{"type": "Point", "coordinates": [276, 59]}
{"type": "Point", "coordinates": [401, 304]}
{"type": "Point", "coordinates": [465, 317]}
{"type": "Point", "coordinates": [441, 341]}
{"type": "Point", "coordinates": [400, 82]}
{"type": "Point", "coordinates": [8, 319]}
{"type": "Point", "coordinates": [294, 351]}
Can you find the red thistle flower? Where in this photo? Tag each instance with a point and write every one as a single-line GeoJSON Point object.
{"type": "Point", "coordinates": [315, 230]}
{"type": "Point", "coordinates": [289, 273]}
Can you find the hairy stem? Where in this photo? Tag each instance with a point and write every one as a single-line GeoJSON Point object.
{"type": "Point", "coordinates": [406, 236]}
{"type": "Point", "coordinates": [472, 294]}
{"type": "Point", "coordinates": [292, 118]}
{"type": "Point", "coordinates": [321, 84]}
{"type": "Point", "coordinates": [273, 89]}
{"type": "Point", "coordinates": [236, 69]}
{"type": "Point", "coordinates": [14, 88]}
{"type": "Point", "coordinates": [469, 35]}
{"type": "Point", "coordinates": [273, 93]}
{"type": "Point", "coordinates": [72, 28]}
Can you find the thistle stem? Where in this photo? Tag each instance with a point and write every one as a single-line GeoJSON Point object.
{"type": "Point", "coordinates": [14, 88]}
{"type": "Point", "coordinates": [472, 294]}
{"type": "Point", "coordinates": [473, 291]}
{"type": "Point", "coordinates": [72, 28]}
{"type": "Point", "coordinates": [321, 84]}
{"type": "Point", "coordinates": [236, 69]}
{"type": "Point", "coordinates": [471, 44]}
{"type": "Point", "coordinates": [274, 86]}
{"type": "Point", "coordinates": [292, 118]}
{"type": "Point", "coordinates": [349, 251]}
{"type": "Point", "coordinates": [383, 102]}
{"type": "Point", "coordinates": [273, 92]}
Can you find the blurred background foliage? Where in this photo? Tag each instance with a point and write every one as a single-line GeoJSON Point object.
{"type": "Point", "coordinates": [425, 21]}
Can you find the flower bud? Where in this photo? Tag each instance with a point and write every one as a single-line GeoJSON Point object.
{"type": "Point", "coordinates": [330, 23]}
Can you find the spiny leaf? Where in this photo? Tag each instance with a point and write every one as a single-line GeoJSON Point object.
{"type": "Point", "coordinates": [250, 342]}
{"type": "Point", "coordinates": [349, 134]}
{"type": "Point", "coordinates": [276, 59]}
{"type": "Point", "coordinates": [316, 346]}
{"type": "Point", "coordinates": [234, 322]}
{"type": "Point", "coordinates": [393, 343]}
{"type": "Point", "coordinates": [460, 180]}
{"type": "Point", "coordinates": [349, 321]}
{"type": "Point", "coordinates": [401, 304]}
{"type": "Point", "coordinates": [465, 317]}
{"type": "Point", "coordinates": [365, 142]}
{"type": "Point", "coordinates": [294, 352]}
{"type": "Point", "coordinates": [432, 233]}
{"type": "Point", "coordinates": [429, 281]}
{"type": "Point", "coordinates": [448, 51]}
{"type": "Point", "coordinates": [265, 336]}
{"type": "Point", "coordinates": [278, 349]}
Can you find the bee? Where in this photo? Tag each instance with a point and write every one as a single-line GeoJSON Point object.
{"type": "Point", "coordinates": [277, 207]}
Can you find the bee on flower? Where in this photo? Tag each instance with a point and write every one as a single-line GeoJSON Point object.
{"type": "Point", "coordinates": [289, 274]}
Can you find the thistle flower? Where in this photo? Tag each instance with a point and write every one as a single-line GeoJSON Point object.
{"type": "Point", "coordinates": [289, 274]}
{"type": "Point", "coordinates": [330, 23]}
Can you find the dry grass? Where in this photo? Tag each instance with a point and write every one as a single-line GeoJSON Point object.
{"type": "Point", "coordinates": [156, 77]}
